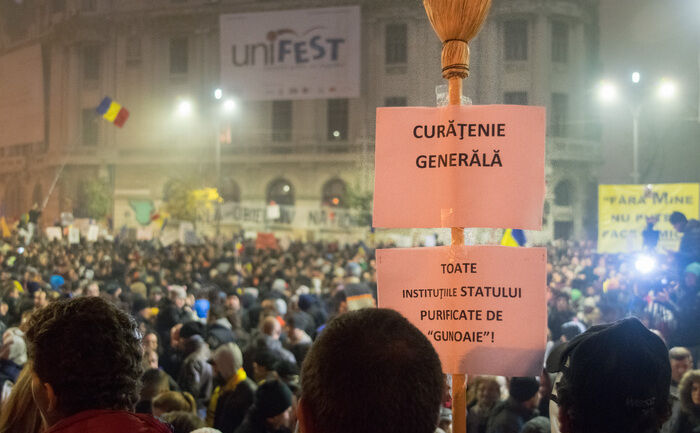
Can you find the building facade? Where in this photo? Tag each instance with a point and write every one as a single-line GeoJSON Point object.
{"type": "Point", "coordinates": [308, 155]}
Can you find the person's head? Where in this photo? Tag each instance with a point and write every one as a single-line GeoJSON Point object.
{"type": "Point", "coordinates": [19, 414]}
{"type": "Point", "coordinates": [689, 393]}
{"type": "Point", "coordinates": [183, 422]}
{"type": "Point", "coordinates": [40, 299]}
{"type": "Point", "coordinates": [612, 378]}
{"type": "Point", "coordinates": [178, 295]}
{"type": "Point", "coordinates": [264, 364]}
{"type": "Point", "coordinates": [233, 302]}
{"type": "Point", "coordinates": [85, 354]}
{"type": "Point", "coordinates": [562, 302]}
{"type": "Point", "coordinates": [678, 221]}
{"type": "Point", "coordinates": [488, 391]}
{"type": "Point", "coordinates": [154, 382]}
{"type": "Point", "coordinates": [681, 361]}
{"type": "Point", "coordinates": [150, 342]}
{"type": "Point", "coordinates": [172, 401]}
{"type": "Point", "coordinates": [370, 347]}
{"type": "Point", "coordinates": [271, 326]}
{"type": "Point", "coordinates": [150, 359]}
{"type": "Point", "coordinates": [272, 405]}
{"type": "Point", "coordinates": [227, 360]}
{"type": "Point", "coordinates": [691, 276]}
{"type": "Point", "coordinates": [93, 289]}
{"type": "Point", "coordinates": [524, 390]}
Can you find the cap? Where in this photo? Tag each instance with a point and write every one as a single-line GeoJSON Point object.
{"type": "Point", "coordinates": [192, 328]}
{"type": "Point", "coordinates": [272, 398]}
{"type": "Point", "coordinates": [618, 367]}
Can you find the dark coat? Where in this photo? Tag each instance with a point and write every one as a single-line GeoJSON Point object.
{"type": "Point", "coordinates": [233, 405]}
{"type": "Point", "coordinates": [9, 371]}
{"type": "Point", "coordinates": [509, 417]}
{"type": "Point", "coordinates": [196, 374]}
{"type": "Point", "coordinates": [255, 424]}
{"type": "Point", "coordinates": [264, 342]}
{"type": "Point", "coordinates": [689, 249]}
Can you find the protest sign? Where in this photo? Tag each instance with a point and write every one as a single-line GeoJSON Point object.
{"type": "Point", "coordinates": [623, 211]}
{"type": "Point", "coordinates": [53, 233]}
{"type": "Point", "coordinates": [460, 166]}
{"type": "Point", "coordinates": [265, 241]}
{"type": "Point", "coordinates": [92, 233]}
{"type": "Point", "coordinates": [73, 235]}
{"type": "Point", "coordinates": [482, 307]}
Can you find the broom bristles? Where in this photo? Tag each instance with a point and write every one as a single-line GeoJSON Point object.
{"type": "Point", "coordinates": [456, 22]}
{"type": "Point", "coordinates": [457, 19]}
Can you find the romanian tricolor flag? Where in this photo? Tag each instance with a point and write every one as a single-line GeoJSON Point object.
{"type": "Point", "coordinates": [113, 111]}
{"type": "Point", "coordinates": [513, 238]}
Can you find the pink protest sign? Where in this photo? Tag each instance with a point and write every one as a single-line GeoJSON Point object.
{"type": "Point", "coordinates": [460, 166]}
{"type": "Point", "coordinates": [483, 308]}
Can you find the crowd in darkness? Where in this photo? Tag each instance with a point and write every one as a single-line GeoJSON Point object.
{"type": "Point", "coordinates": [225, 327]}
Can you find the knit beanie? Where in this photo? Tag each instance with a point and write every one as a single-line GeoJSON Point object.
{"type": "Point", "coordinates": [272, 398]}
{"type": "Point", "coordinates": [523, 389]}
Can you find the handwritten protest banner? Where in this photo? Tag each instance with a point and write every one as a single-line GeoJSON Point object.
{"type": "Point", "coordinates": [460, 166]}
{"type": "Point", "coordinates": [482, 307]}
{"type": "Point", "coordinates": [623, 211]}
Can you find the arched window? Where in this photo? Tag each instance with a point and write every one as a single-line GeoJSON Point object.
{"type": "Point", "coordinates": [333, 193]}
{"type": "Point", "coordinates": [281, 191]}
{"type": "Point", "coordinates": [14, 200]}
{"type": "Point", "coordinates": [563, 193]}
{"type": "Point", "coordinates": [230, 191]}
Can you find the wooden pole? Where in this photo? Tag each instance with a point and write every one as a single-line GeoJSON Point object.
{"type": "Point", "coordinates": [459, 381]}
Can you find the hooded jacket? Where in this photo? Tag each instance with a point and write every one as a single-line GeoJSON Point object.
{"type": "Point", "coordinates": [109, 421]}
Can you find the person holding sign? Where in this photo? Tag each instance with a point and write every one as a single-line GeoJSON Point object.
{"type": "Point", "coordinates": [370, 371]}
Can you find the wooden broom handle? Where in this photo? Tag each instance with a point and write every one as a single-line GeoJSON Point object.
{"type": "Point", "coordinates": [459, 381]}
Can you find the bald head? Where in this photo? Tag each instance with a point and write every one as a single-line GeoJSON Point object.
{"type": "Point", "coordinates": [270, 326]}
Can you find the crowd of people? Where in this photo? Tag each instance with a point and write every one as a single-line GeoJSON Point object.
{"type": "Point", "coordinates": [227, 337]}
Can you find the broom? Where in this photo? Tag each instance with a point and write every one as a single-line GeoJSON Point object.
{"type": "Point", "coordinates": [456, 22]}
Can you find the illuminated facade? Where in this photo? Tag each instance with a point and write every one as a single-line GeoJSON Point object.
{"type": "Point", "coordinates": [151, 56]}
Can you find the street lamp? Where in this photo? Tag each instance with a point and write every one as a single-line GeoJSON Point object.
{"type": "Point", "coordinates": [607, 92]}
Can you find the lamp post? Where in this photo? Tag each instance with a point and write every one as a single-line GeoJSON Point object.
{"type": "Point", "coordinates": [607, 93]}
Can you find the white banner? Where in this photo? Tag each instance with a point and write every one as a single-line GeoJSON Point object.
{"type": "Point", "coordinates": [293, 54]}
{"type": "Point", "coordinates": [298, 217]}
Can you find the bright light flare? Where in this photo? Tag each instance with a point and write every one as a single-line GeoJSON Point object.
{"type": "Point", "coordinates": [636, 77]}
{"type": "Point", "coordinates": [645, 264]}
{"type": "Point", "coordinates": [229, 106]}
{"type": "Point", "coordinates": [184, 108]}
{"type": "Point", "coordinates": [607, 92]}
{"type": "Point", "coordinates": [667, 90]}
{"type": "Point", "coordinates": [218, 94]}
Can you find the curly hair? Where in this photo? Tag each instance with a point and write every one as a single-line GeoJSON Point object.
{"type": "Point", "coordinates": [89, 352]}
{"type": "Point", "coordinates": [684, 391]}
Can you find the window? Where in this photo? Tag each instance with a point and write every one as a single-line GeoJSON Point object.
{"type": "Point", "coordinates": [337, 119]}
{"type": "Point", "coordinates": [281, 192]}
{"type": "Point", "coordinates": [563, 193]}
{"type": "Point", "coordinates": [133, 51]}
{"type": "Point", "coordinates": [563, 229]}
{"type": "Point", "coordinates": [333, 194]}
{"type": "Point", "coordinates": [560, 42]}
{"type": "Point", "coordinates": [230, 191]}
{"type": "Point", "coordinates": [395, 44]}
{"type": "Point", "coordinates": [516, 40]}
{"type": "Point", "coordinates": [395, 101]}
{"type": "Point", "coordinates": [91, 62]}
{"type": "Point", "coordinates": [178, 56]}
{"type": "Point", "coordinates": [515, 98]}
{"type": "Point", "coordinates": [281, 120]}
{"type": "Point", "coordinates": [558, 115]}
{"type": "Point", "coordinates": [90, 125]}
